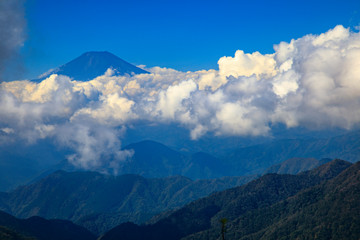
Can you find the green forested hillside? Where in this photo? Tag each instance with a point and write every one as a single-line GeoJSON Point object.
{"type": "Point", "coordinates": [39, 228]}
{"type": "Point", "coordinates": [100, 202]}
{"type": "Point", "coordinates": [8, 234]}
{"type": "Point", "coordinates": [202, 216]}
{"type": "Point", "coordinates": [330, 210]}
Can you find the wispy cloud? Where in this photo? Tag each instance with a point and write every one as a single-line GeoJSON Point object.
{"type": "Point", "coordinates": [12, 31]}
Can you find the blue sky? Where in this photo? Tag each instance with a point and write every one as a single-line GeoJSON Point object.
{"type": "Point", "coordinates": [185, 35]}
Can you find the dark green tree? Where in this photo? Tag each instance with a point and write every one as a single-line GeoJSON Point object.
{"type": "Point", "coordinates": [223, 222]}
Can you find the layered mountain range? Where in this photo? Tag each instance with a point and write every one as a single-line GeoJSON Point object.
{"type": "Point", "coordinates": [153, 159]}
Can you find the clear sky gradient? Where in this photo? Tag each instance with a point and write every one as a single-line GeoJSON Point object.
{"type": "Point", "coordinates": [184, 35]}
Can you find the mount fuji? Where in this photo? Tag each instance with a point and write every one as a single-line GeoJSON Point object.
{"type": "Point", "coordinates": [93, 64]}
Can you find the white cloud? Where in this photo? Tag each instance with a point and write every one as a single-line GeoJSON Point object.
{"type": "Point", "coordinates": [171, 100]}
{"type": "Point", "coordinates": [97, 147]}
{"type": "Point", "coordinates": [7, 130]}
{"type": "Point", "coordinates": [245, 64]}
{"type": "Point", "coordinates": [332, 38]}
{"type": "Point", "coordinates": [285, 83]}
{"type": "Point", "coordinates": [110, 110]}
{"type": "Point", "coordinates": [313, 81]}
{"type": "Point", "coordinates": [324, 89]}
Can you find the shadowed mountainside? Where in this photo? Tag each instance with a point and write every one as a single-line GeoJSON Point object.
{"type": "Point", "coordinates": [100, 202]}
{"type": "Point", "coordinates": [329, 210]}
{"type": "Point", "coordinates": [41, 229]}
{"type": "Point", "coordinates": [204, 214]}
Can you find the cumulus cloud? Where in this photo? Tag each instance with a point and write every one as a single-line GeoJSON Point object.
{"type": "Point", "coordinates": [245, 64]}
{"type": "Point", "coordinates": [313, 82]}
{"type": "Point", "coordinates": [110, 110]}
{"type": "Point", "coordinates": [324, 91]}
{"type": "Point", "coordinates": [97, 147]}
{"type": "Point", "coordinates": [171, 100]}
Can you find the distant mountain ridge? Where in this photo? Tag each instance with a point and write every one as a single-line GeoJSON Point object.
{"type": "Point", "coordinates": [21, 163]}
{"type": "Point", "coordinates": [258, 158]}
{"type": "Point", "coordinates": [153, 159]}
{"type": "Point", "coordinates": [93, 64]}
{"type": "Point", "coordinates": [296, 165]}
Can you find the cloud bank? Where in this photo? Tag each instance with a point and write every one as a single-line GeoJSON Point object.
{"type": "Point", "coordinates": [312, 82]}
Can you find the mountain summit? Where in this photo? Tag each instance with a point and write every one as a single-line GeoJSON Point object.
{"type": "Point", "coordinates": [92, 64]}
